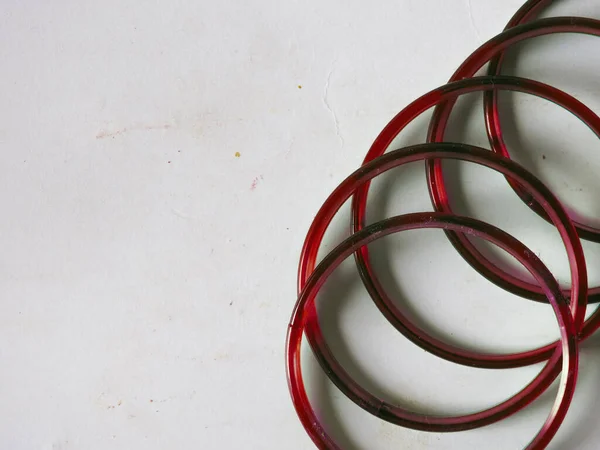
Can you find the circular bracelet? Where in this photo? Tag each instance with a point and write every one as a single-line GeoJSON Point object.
{"type": "Point", "coordinates": [553, 351]}
{"type": "Point", "coordinates": [494, 128]}
{"type": "Point", "coordinates": [572, 326]}
{"type": "Point", "coordinates": [370, 280]}
{"type": "Point", "coordinates": [304, 315]}
{"type": "Point", "coordinates": [527, 12]}
{"type": "Point", "coordinates": [438, 123]}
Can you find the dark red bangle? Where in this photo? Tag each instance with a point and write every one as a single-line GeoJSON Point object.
{"type": "Point", "coordinates": [494, 128]}
{"type": "Point", "coordinates": [526, 13]}
{"type": "Point", "coordinates": [438, 123]}
{"type": "Point", "coordinates": [336, 372]}
{"type": "Point", "coordinates": [304, 315]}
{"type": "Point", "coordinates": [370, 280]}
{"type": "Point", "coordinates": [458, 229]}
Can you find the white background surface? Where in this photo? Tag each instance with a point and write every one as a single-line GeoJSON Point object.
{"type": "Point", "coordinates": [148, 274]}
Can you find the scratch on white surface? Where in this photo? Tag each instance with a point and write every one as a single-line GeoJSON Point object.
{"type": "Point", "coordinates": [103, 134]}
{"type": "Point", "coordinates": [164, 400]}
{"type": "Point", "coordinates": [290, 146]}
{"type": "Point", "coordinates": [472, 19]}
{"type": "Point", "coordinates": [180, 214]}
{"type": "Point", "coordinates": [313, 56]}
{"type": "Point", "coordinates": [329, 108]}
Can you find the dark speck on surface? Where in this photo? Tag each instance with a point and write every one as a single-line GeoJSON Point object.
{"type": "Point", "coordinates": [543, 156]}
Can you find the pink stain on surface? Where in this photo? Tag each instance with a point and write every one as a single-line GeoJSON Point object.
{"type": "Point", "coordinates": [104, 134]}
{"type": "Point", "coordinates": [255, 182]}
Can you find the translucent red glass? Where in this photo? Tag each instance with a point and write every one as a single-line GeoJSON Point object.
{"type": "Point", "coordinates": [559, 355]}
{"type": "Point", "coordinates": [578, 277]}
{"type": "Point", "coordinates": [437, 188]}
{"type": "Point", "coordinates": [384, 302]}
{"type": "Point", "coordinates": [304, 315]}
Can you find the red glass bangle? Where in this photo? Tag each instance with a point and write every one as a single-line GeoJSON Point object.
{"type": "Point", "coordinates": [437, 188]}
{"type": "Point", "coordinates": [527, 12]}
{"type": "Point", "coordinates": [304, 315]}
{"type": "Point", "coordinates": [486, 158]}
{"type": "Point", "coordinates": [370, 280]}
{"type": "Point", "coordinates": [494, 128]}
{"type": "Point", "coordinates": [305, 318]}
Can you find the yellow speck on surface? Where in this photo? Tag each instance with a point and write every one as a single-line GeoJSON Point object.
{"type": "Point", "coordinates": [299, 86]}
{"type": "Point", "coordinates": [237, 154]}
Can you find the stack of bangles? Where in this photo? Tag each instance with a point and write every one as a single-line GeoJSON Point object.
{"type": "Point", "coordinates": [561, 357]}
